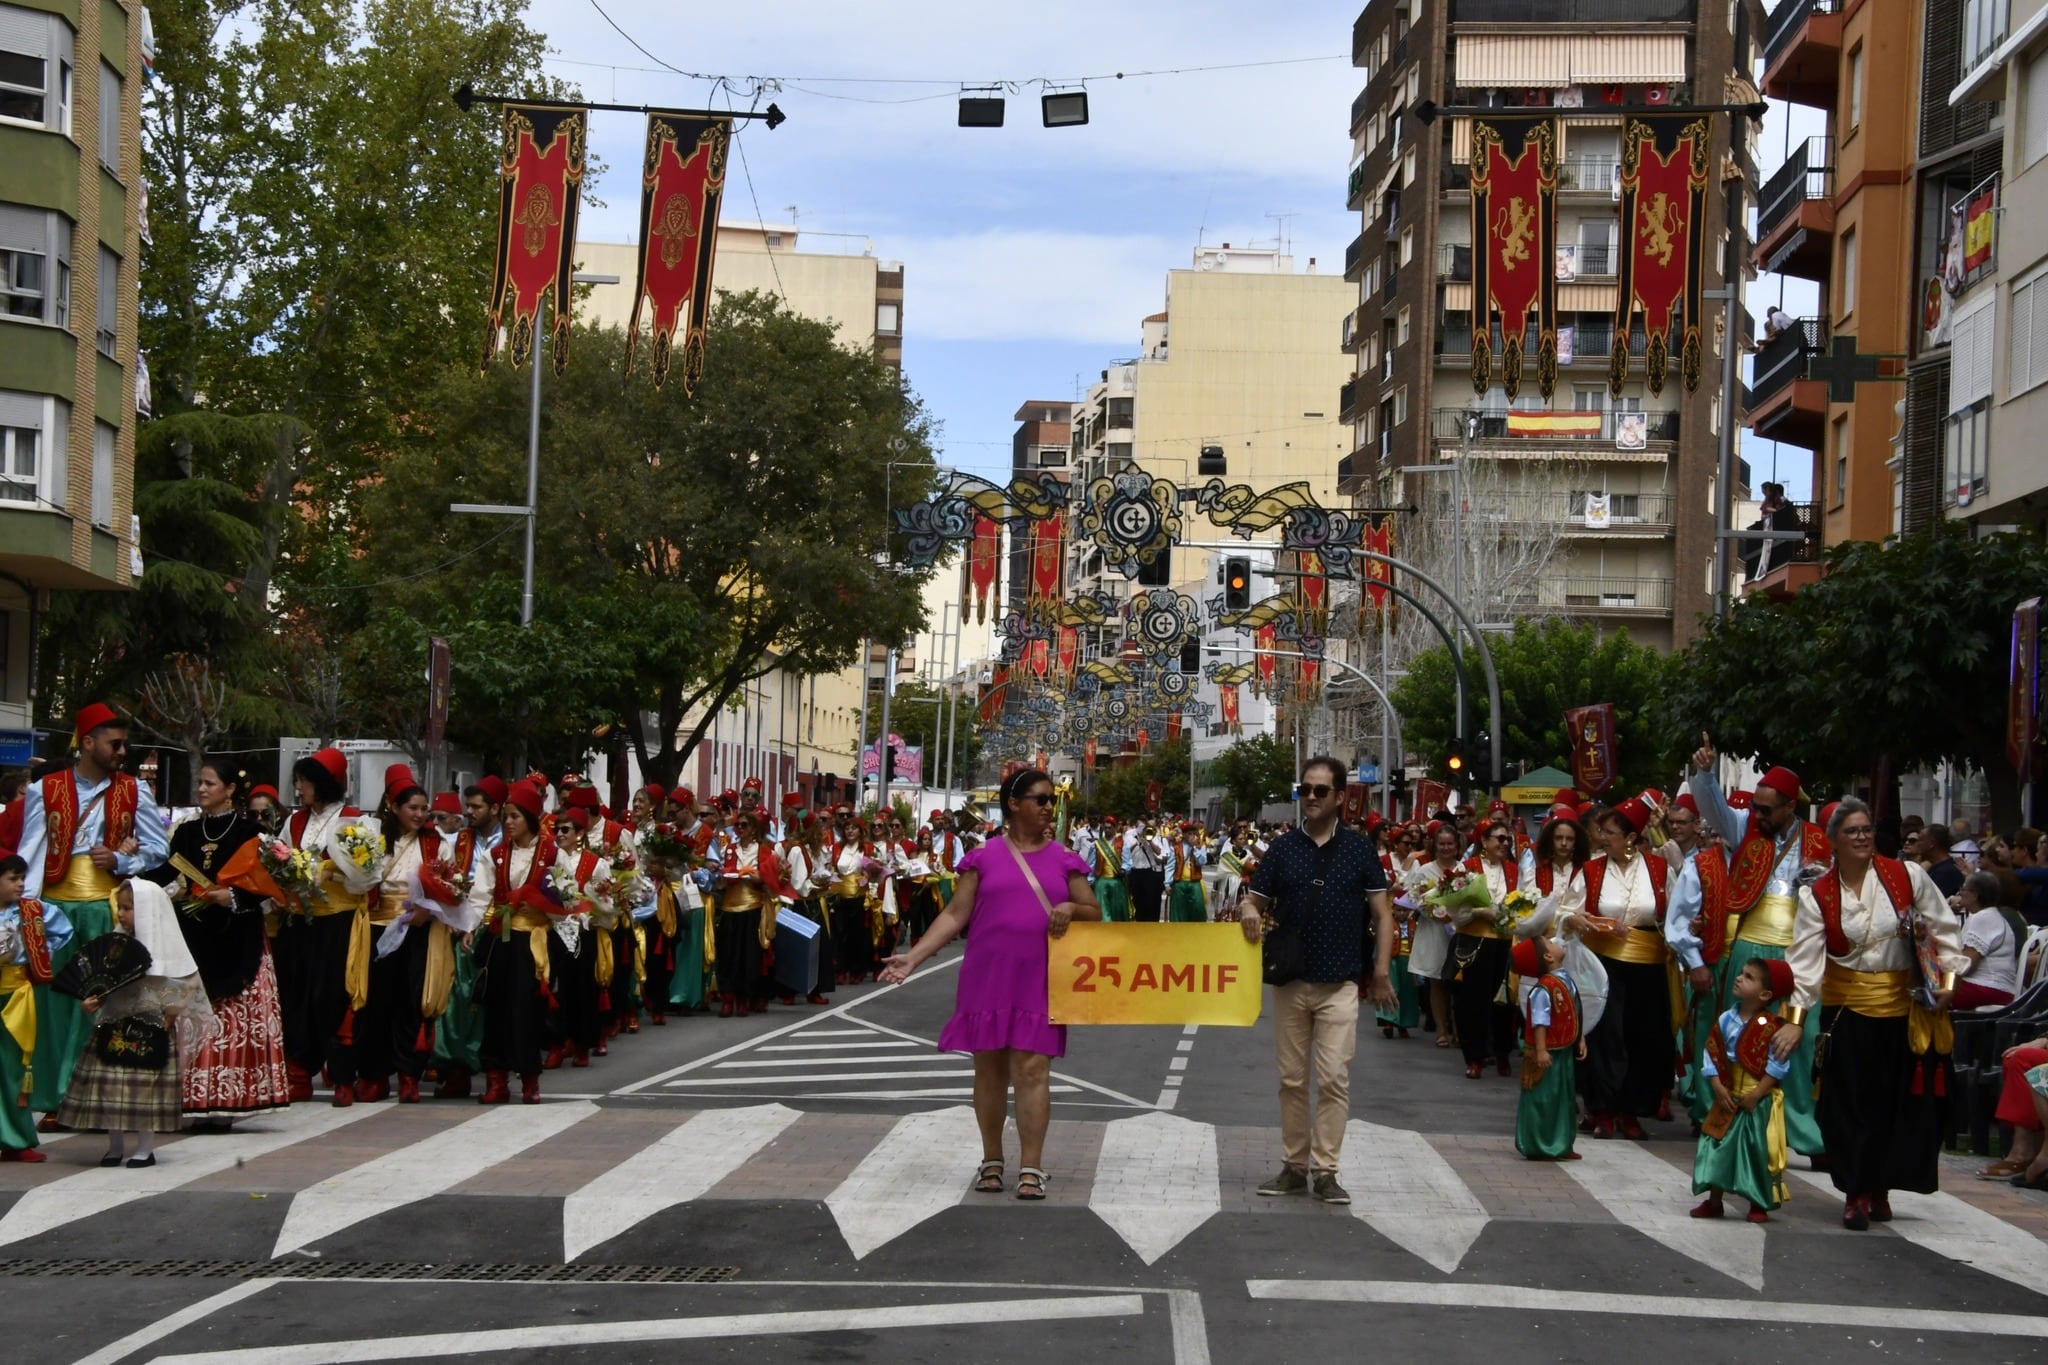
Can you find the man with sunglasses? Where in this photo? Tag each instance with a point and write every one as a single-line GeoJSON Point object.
{"type": "Point", "coordinates": [1752, 900]}
{"type": "Point", "coordinates": [1316, 882]}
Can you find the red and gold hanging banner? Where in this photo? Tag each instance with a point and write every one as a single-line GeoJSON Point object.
{"type": "Point", "coordinates": [540, 182]}
{"type": "Point", "coordinates": [1069, 650]}
{"type": "Point", "coordinates": [1376, 600]}
{"type": "Point", "coordinates": [681, 181]}
{"type": "Point", "coordinates": [1664, 161]}
{"type": "Point", "coordinates": [1596, 761]}
{"type": "Point", "coordinates": [1315, 592]}
{"type": "Point", "coordinates": [1514, 212]}
{"type": "Point", "coordinates": [1172, 726]}
{"type": "Point", "coordinates": [2023, 696]}
{"type": "Point", "coordinates": [984, 558]}
{"type": "Point", "coordinates": [1310, 672]}
{"type": "Point", "coordinates": [1040, 657]}
{"type": "Point", "coordinates": [1263, 641]}
{"type": "Point", "coordinates": [1047, 565]}
{"type": "Point", "coordinates": [1088, 753]}
{"type": "Point", "coordinates": [1227, 696]}
{"type": "Point", "coordinates": [993, 695]}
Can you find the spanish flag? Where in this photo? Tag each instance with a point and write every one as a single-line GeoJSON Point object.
{"type": "Point", "coordinates": [1554, 423]}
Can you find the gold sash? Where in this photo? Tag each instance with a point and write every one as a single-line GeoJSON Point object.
{"type": "Point", "coordinates": [335, 901]}
{"type": "Point", "coordinates": [1888, 995]}
{"type": "Point", "coordinates": [665, 910]}
{"type": "Point", "coordinates": [1769, 922]}
{"type": "Point", "coordinates": [605, 963]}
{"type": "Point", "coordinates": [535, 926]}
{"type": "Point", "coordinates": [390, 905]}
{"type": "Point", "coordinates": [18, 1017]}
{"type": "Point", "coordinates": [440, 979]}
{"type": "Point", "coordinates": [82, 882]}
{"type": "Point", "coordinates": [846, 888]}
{"type": "Point", "coordinates": [739, 897]}
{"type": "Point", "coordinates": [1641, 945]}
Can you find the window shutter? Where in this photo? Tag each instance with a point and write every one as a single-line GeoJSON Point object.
{"type": "Point", "coordinates": [2020, 368]}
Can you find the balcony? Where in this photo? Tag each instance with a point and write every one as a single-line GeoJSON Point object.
{"type": "Point", "coordinates": [1352, 478]}
{"type": "Point", "coordinates": [1348, 399]}
{"type": "Point", "coordinates": [1784, 404]}
{"type": "Point", "coordinates": [1354, 188]}
{"type": "Point", "coordinates": [1572, 11]}
{"type": "Point", "coordinates": [1785, 566]}
{"type": "Point", "coordinates": [1457, 176]}
{"type": "Point", "coordinates": [1454, 263]}
{"type": "Point", "coordinates": [1548, 426]}
{"type": "Point", "coordinates": [1803, 52]}
{"type": "Point", "coordinates": [1360, 107]}
{"type": "Point", "coordinates": [1387, 289]}
{"type": "Point", "coordinates": [1354, 332]}
{"type": "Point", "coordinates": [1626, 514]}
{"type": "Point", "coordinates": [1587, 175]}
{"type": "Point", "coordinates": [1795, 220]}
{"type": "Point", "coordinates": [1591, 342]}
{"type": "Point", "coordinates": [1354, 258]}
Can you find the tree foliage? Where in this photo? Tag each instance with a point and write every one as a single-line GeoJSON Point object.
{"type": "Point", "coordinates": [1253, 772]}
{"type": "Point", "coordinates": [1545, 668]}
{"type": "Point", "coordinates": [1120, 789]}
{"type": "Point", "coordinates": [915, 713]}
{"type": "Point", "coordinates": [1900, 651]}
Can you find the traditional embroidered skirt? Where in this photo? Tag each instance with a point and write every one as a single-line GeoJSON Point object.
{"type": "Point", "coordinates": [1407, 1011]}
{"type": "Point", "coordinates": [241, 1071]}
{"type": "Point", "coordinates": [1750, 1159]}
{"type": "Point", "coordinates": [1547, 1120]}
{"type": "Point", "coordinates": [119, 1097]}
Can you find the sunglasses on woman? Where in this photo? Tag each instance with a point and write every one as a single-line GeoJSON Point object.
{"type": "Point", "coordinates": [1039, 798]}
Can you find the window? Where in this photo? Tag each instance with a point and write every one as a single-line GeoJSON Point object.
{"type": "Point", "coordinates": [1845, 288]}
{"type": "Point", "coordinates": [2033, 109]}
{"type": "Point", "coordinates": [107, 317]}
{"type": "Point", "coordinates": [110, 118]}
{"type": "Point", "coordinates": [18, 448]}
{"type": "Point", "coordinates": [1407, 168]}
{"type": "Point", "coordinates": [1407, 245]}
{"type": "Point", "coordinates": [1589, 398]}
{"type": "Point", "coordinates": [33, 431]}
{"type": "Point", "coordinates": [35, 68]}
{"type": "Point", "coordinates": [1854, 116]}
{"type": "Point", "coordinates": [2028, 353]}
{"type": "Point", "coordinates": [888, 319]}
{"type": "Point", "coordinates": [1400, 405]}
{"type": "Point", "coordinates": [1414, 84]}
{"type": "Point", "coordinates": [1983, 29]}
{"type": "Point", "coordinates": [102, 475]}
{"type": "Point", "coordinates": [1401, 326]}
{"type": "Point", "coordinates": [1841, 448]}
{"type": "Point", "coordinates": [1966, 461]}
{"type": "Point", "coordinates": [35, 265]}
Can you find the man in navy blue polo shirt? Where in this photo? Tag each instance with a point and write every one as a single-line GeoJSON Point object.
{"type": "Point", "coordinates": [1316, 883]}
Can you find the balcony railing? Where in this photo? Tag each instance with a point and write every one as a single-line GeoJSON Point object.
{"type": "Point", "coordinates": [1354, 187]}
{"type": "Point", "coordinates": [1786, 21]}
{"type": "Point", "coordinates": [1360, 105]}
{"type": "Point", "coordinates": [1783, 358]}
{"type": "Point", "coordinates": [1594, 173]}
{"type": "Point", "coordinates": [1572, 11]}
{"type": "Point", "coordinates": [1387, 289]}
{"type": "Point", "coordinates": [1457, 177]}
{"type": "Point", "coordinates": [1347, 401]}
{"type": "Point", "coordinates": [1795, 516]}
{"type": "Point", "coordinates": [1624, 511]}
{"type": "Point", "coordinates": [1354, 258]}
{"type": "Point", "coordinates": [1591, 342]}
{"type": "Point", "coordinates": [1454, 263]}
{"type": "Point", "coordinates": [1809, 173]}
{"type": "Point", "coordinates": [1585, 258]}
{"type": "Point", "coordinates": [1450, 424]}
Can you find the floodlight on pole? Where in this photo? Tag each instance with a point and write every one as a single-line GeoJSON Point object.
{"type": "Point", "coordinates": [981, 109]}
{"type": "Point", "coordinates": [1064, 108]}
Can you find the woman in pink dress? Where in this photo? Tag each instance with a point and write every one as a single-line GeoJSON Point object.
{"type": "Point", "coordinates": [1000, 1012]}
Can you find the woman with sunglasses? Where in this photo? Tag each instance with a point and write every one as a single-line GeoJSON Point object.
{"type": "Point", "coordinates": [1628, 1054]}
{"type": "Point", "coordinates": [1486, 1027]}
{"type": "Point", "coordinates": [1015, 890]}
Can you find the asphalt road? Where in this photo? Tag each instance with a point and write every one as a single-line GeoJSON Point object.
{"type": "Point", "coordinates": [795, 1183]}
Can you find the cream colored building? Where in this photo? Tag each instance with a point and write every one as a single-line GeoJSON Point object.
{"type": "Point", "coordinates": [790, 732]}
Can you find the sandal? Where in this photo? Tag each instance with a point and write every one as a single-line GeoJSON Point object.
{"type": "Point", "coordinates": [2002, 1170]}
{"type": "Point", "coordinates": [989, 1178]}
{"type": "Point", "coordinates": [1031, 1182]}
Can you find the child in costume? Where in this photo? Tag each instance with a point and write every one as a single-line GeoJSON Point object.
{"type": "Point", "coordinates": [1742, 1139]}
{"type": "Point", "coordinates": [29, 933]}
{"type": "Point", "coordinates": [122, 1085]}
{"type": "Point", "coordinates": [1406, 1012]}
{"type": "Point", "coordinates": [1547, 1120]}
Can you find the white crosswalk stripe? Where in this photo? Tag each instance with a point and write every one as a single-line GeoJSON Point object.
{"type": "Point", "coordinates": [1156, 1181]}
{"type": "Point", "coordinates": [895, 1187]}
{"type": "Point", "coordinates": [1948, 1227]}
{"type": "Point", "coordinates": [1403, 1189]}
{"type": "Point", "coordinates": [1649, 1194]}
{"type": "Point", "coordinates": [694, 1156]}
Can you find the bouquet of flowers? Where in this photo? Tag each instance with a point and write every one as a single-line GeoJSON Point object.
{"type": "Point", "coordinates": [1461, 890]}
{"type": "Point", "coordinates": [1416, 883]}
{"type": "Point", "coordinates": [666, 843]}
{"type": "Point", "coordinates": [1515, 909]}
{"type": "Point", "coordinates": [625, 890]}
{"type": "Point", "coordinates": [295, 870]}
{"type": "Point", "coordinates": [575, 899]}
{"type": "Point", "coordinates": [362, 843]}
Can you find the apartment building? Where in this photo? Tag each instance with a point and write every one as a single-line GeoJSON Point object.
{"type": "Point", "coordinates": [1625, 483]}
{"type": "Point", "coordinates": [71, 201]}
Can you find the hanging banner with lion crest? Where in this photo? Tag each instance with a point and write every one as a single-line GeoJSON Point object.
{"type": "Point", "coordinates": [1514, 212]}
{"type": "Point", "coordinates": [1663, 205]}
{"type": "Point", "coordinates": [540, 181]}
{"type": "Point", "coordinates": [681, 183]}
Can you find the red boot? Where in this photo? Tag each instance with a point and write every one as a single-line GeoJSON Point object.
{"type": "Point", "coordinates": [659, 1017]}
{"type": "Point", "coordinates": [603, 1049]}
{"type": "Point", "coordinates": [496, 1090]}
{"type": "Point", "coordinates": [529, 1087]}
{"type": "Point", "coordinates": [1631, 1128]}
{"type": "Point", "coordinates": [553, 1060]}
{"type": "Point", "coordinates": [408, 1090]}
{"type": "Point", "coordinates": [299, 1083]}
{"type": "Point", "coordinates": [633, 1023]}
{"type": "Point", "coordinates": [725, 1008]}
{"type": "Point", "coordinates": [1710, 1207]}
{"type": "Point", "coordinates": [372, 1091]}
{"type": "Point", "coordinates": [344, 1096]}
{"type": "Point", "coordinates": [580, 1055]}
{"type": "Point", "coordinates": [816, 998]}
{"type": "Point", "coordinates": [454, 1084]}
{"type": "Point", "coordinates": [21, 1154]}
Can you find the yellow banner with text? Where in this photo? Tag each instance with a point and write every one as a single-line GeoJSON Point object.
{"type": "Point", "coordinates": [1154, 974]}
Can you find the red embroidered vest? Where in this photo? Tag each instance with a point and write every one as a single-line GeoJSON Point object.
{"type": "Point", "coordinates": [1546, 877]}
{"type": "Point", "coordinates": [1513, 870]}
{"type": "Point", "coordinates": [35, 943]}
{"type": "Point", "coordinates": [532, 893]}
{"type": "Point", "coordinates": [1827, 894]}
{"type": "Point", "coordinates": [1564, 1013]}
{"type": "Point", "coordinates": [1752, 1048]}
{"type": "Point", "coordinates": [1749, 873]}
{"type": "Point", "coordinates": [1653, 867]}
{"type": "Point", "coordinates": [60, 817]}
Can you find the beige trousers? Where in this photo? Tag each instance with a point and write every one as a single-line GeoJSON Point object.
{"type": "Point", "coordinates": [1314, 1023]}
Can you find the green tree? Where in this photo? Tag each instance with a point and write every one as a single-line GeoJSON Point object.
{"type": "Point", "coordinates": [1253, 772]}
{"type": "Point", "coordinates": [1545, 668]}
{"type": "Point", "coordinates": [1120, 788]}
{"type": "Point", "coordinates": [686, 545]}
{"type": "Point", "coordinates": [915, 712]}
{"type": "Point", "coordinates": [1900, 651]}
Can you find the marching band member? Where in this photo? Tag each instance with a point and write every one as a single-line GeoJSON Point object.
{"type": "Point", "coordinates": [807, 876]}
{"type": "Point", "coordinates": [1187, 900]}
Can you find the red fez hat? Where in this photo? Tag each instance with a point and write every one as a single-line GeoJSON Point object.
{"type": "Point", "coordinates": [728, 797]}
{"type": "Point", "coordinates": [1653, 797]}
{"type": "Point", "coordinates": [752, 784]}
{"type": "Point", "coordinates": [1827, 812]}
{"type": "Point", "coordinates": [397, 778]}
{"type": "Point", "coordinates": [1738, 800]}
{"type": "Point", "coordinates": [527, 797]}
{"type": "Point", "coordinates": [94, 716]}
{"type": "Point", "coordinates": [792, 800]}
{"type": "Point", "coordinates": [263, 789]}
{"type": "Point", "coordinates": [1685, 802]}
{"type": "Point", "coordinates": [1374, 821]}
{"type": "Point", "coordinates": [656, 792]}
{"type": "Point", "coordinates": [1585, 809]}
{"type": "Point", "coordinates": [1779, 972]}
{"type": "Point", "coordinates": [1499, 807]}
{"type": "Point", "coordinates": [570, 780]}
{"type": "Point", "coordinates": [582, 798]}
{"type": "Point", "coordinates": [494, 789]}
{"type": "Point", "coordinates": [1783, 781]}
{"type": "Point", "coordinates": [447, 803]}
{"type": "Point", "coordinates": [684, 797]}
{"type": "Point", "coordinates": [335, 764]}
{"type": "Point", "coordinates": [1527, 957]}
{"type": "Point", "coordinates": [1635, 812]}
{"type": "Point", "coordinates": [578, 816]}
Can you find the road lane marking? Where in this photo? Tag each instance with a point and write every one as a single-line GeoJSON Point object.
{"type": "Point", "coordinates": [1156, 1181]}
{"type": "Point", "coordinates": [676, 1168]}
{"type": "Point", "coordinates": [175, 1322]}
{"type": "Point", "coordinates": [892, 1060]}
{"type": "Point", "coordinates": [1747, 1312]}
{"type": "Point", "coordinates": [1404, 1190]}
{"type": "Point", "coordinates": [422, 1169]}
{"type": "Point", "coordinates": [1960, 1231]}
{"type": "Point", "coordinates": [94, 1191]}
{"type": "Point", "coordinates": [905, 1178]}
{"type": "Point", "coordinates": [1645, 1192]}
{"type": "Point", "coordinates": [782, 1079]}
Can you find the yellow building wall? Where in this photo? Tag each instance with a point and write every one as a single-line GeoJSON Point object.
{"type": "Point", "coordinates": [826, 287]}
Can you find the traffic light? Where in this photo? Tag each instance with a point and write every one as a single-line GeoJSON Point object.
{"type": "Point", "coordinates": [889, 762]}
{"type": "Point", "coordinates": [1455, 761]}
{"type": "Point", "coordinates": [1237, 583]}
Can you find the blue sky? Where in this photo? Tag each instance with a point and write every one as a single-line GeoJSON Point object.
{"type": "Point", "coordinates": [1031, 254]}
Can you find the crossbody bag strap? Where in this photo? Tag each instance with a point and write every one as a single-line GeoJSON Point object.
{"type": "Point", "coordinates": [1029, 875]}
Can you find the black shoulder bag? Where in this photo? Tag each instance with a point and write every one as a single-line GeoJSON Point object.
{"type": "Point", "coordinates": [1285, 958]}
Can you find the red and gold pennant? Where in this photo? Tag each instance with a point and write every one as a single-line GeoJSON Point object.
{"type": "Point", "coordinates": [1048, 555]}
{"type": "Point", "coordinates": [1514, 212]}
{"type": "Point", "coordinates": [1595, 762]}
{"type": "Point", "coordinates": [1377, 600]}
{"type": "Point", "coordinates": [681, 182]}
{"type": "Point", "coordinates": [984, 557]}
{"type": "Point", "coordinates": [1227, 696]}
{"type": "Point", "coordinates": [1663, 204]}
{"type": "Point", "coordinates": [540, 182]}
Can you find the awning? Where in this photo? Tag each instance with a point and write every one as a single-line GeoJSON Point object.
{"type": "Point", "coordinates": [1553, 60]}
